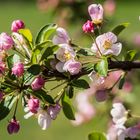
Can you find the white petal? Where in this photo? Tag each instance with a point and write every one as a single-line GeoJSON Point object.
{"type": "Point", "coordinates": [28, 115]}
{"type": "Point", "coordinates": [116, 48]}
{"type": "Point", "coordinates": [59, 66]}
{"type": "Point", "coordinates": [111, 37]}
{"type": "Point", "coordinates": [94, 48]}
{"type": "Point", "coordinates": [26, 109]}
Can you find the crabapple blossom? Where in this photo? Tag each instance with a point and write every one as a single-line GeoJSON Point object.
{"type": "Point", "coordinates": [72, 66]}
{"type": "Point", "coordinates": [121, 132]}
{"type": "Point", "coordinates": [88, 27]}
{"type": "Point", "coordinates": [16, 25]}
{"type": "Point", "coordinates": [59, 66]}
{"type": "Point", "coordinates": [18, 69]}
{"type": "Point", "coordinates": [38, 83]}
{"type": "Point", "coordinates": [119, 114]}
{"type": "Point", "coordinates": [44, 120]}
{"type": "Point", "coordinates": [33, 104]}
{"type": "Point", "coordinates": [53, 110]}
{"type": "Point", "coordinates": [96, 13]}
{"type": "Point", "coordinates": [107, 44]}
{"type": "Point", "coordinates": [65, 52]}
{"type": "Point", "coordinates": [6, 41]}
{"type": "Point", "coordinates": [61, 37]}
{"type": "Point", "coordinates": [13, 126]}
{"type": "Point", "coordinates": [101, 95]}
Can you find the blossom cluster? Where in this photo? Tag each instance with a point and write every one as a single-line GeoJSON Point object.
{"type": "Point", "coordinates": [27, 66]}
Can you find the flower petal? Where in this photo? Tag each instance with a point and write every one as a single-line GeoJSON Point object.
{"type": "Point", "coordinates": [116, 48]}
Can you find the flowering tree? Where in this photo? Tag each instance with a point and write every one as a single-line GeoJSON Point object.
{"type": "Point", "coordinates": [26, 66]}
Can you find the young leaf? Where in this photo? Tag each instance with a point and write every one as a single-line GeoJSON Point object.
{"type": "Point", "coordinates": [67, 107]}
{"type": "Point", "coordinates": [80, 83]}
{"type": "Point", "coordinates": [12, 59]}
{"type": "Point", "coordinates": [45, 33]}
{"type": "Point", "coordinates": [96, 136]}
{"type": "Point", "coordinates": [130, 56]}
{"type": "Point", "coordinates": [6, 105]}
{"type": "Point", "coordinates": [102, 67]}
{"type": "Point", "coordinates": [117, 30]}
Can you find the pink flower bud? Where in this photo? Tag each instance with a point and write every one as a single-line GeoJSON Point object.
{"type": "Point", "coordinates": [88, 27]}
{"type": "Point", "coordinates": [13, 126]}
{"type": "Point", "coordinates": [72, 66]}
{"type": "Point", "coordinates": [2, 67]}
{"type": "Point", "coordinates": [54, 110]}
{"type": "Point", "coordinates": [18, 69]}
{"type": "Point", "coordinates": [33, 105]}
{"type": "Point", "coordinates": [96, 13]}
{"type": "Point", "coordinates": [16, 25]}
{"type": "Point", "coordinates": [38, 83]}
{"type": "Point", "coordinates": [6, 42]}
{"type": "Point", "coordinates": [101, 95]}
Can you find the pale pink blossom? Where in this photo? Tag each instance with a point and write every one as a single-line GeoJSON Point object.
{"type": "Point", "coordinates": [121, 132]}
{"type": "Point", "coordinates": [13, 126]}
{"type": "Point", "coordinates": [88, 27]}
{"type": "Point", "coordinates": [6, 41]}
{"type": "Point", "coordinates": [18, 69]}
{"type": "Point", "coordinates": [16, 25]}
{"type": "Point", "coordinates": [119, 114]}
{"type": "Point", "coordinates": [72, 66]}
{"type": "Point", "coordinates": [65, 52]}
{"type": "Point", "coordinates": [61, 37]}
{"type": "Point", "coordinates": [107, 44]}
{"type": "Point", "coordinates": [33, 105]}
{"type": "Point", "coordinates": [112, 133]}
{"type": "Point", "coordinates": [79, 119]}
{"type": "Point", "coordinates": [96, 13]}
{"type": "Point", "coordinates": [101, 95]}
{"type": "Point", "coordinates": [38, 83]}
{"type": "Point", "coordinates": [53, 111]}
{"type": "Point", "coordinates": [59, 66]}
{"type": "Point", "coordinates": [109, 7]}
{"type": "Point", "coordinates": [44, 120]}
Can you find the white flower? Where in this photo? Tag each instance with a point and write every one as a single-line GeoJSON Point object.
{"type": "Point", "coordinates": [44, 120]}
{"type": "Point", "coordinates": [119, 114]}
{"type": "Point", "coordinates": [107, 44]}
{"type": "Point", "coordinates": [121, 132]}
{"type": "Point", "coordinates": [61, 37]}
{"type": "Point", "coordinates": [65, 52]}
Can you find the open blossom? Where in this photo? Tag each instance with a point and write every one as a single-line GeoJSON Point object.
{"type": "Point", "coordinates": [72, 66]}
{"type": "Point", "coordinates": [88, 27]}
{"type": "Point", "coordinates": [16, 25]}
{"type": "Point", "coordinates": [18, 69]}
{"type": "Point", "coordinates": [53, 110]}
{"type": "Point", "coordinates": [13, 126]}
{"type": "Point", "coordinates": [96, 13]}
{"type": "Point", "coordinates": [65, 52]}
{"type": "Point", "coordinates": [6, 42]}
{"type": "Point", "coordinates": [61, 37]}
{"type": "Point", "coordinates": [38, 83]}
{"type": "Point", "coordinates": [119, 114]}
{"type": "Point", "coordinates": [107, 44]}
{"type": "Point", "coordinates": [44, 120]}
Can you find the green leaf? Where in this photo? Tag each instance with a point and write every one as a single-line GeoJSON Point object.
{"type": "Point", "coordinates": [130, 56]}
{"type": "Point", "coordinates": [42, 95]}
{"type": "Point", "coordinates": [26, 33]}
{"type": "Point", "coordinates": [80, 83]}
{"type": "Point", "coordinates": [34, 69]}
{"type": "Point", "coordinates": [6, 105]}
{"type": "Point", "coordinates": [117, 30]}
{"type": "Point", "coordinates": [12, 59]}
{"type": "Point", "coordinates": [96, 136]}
{"type": "Point", "coordinates": [102, 67]}
{"type": "Point", "coordinates": [45, 33]}
{"type": "Point", "coordinates": [67, 107]}
{"type": "Point", "coordinates": [122, 81]}
{"type": "Point", "coordinates": [48, 51]}
{"type": "Point", "coordinates": [69, 91]}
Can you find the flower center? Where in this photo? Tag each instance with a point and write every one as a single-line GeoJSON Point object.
{"type": "Point", "coordinates": [107, 44]}
{"type": "Point", "coordinates": [67, 55]}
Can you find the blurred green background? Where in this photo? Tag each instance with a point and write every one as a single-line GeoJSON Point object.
{"type": "Point", "coordinates": [35, 17]}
